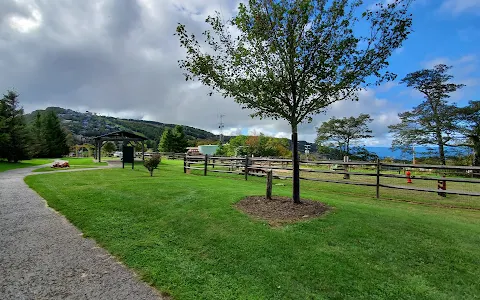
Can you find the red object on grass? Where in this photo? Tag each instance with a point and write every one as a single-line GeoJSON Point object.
{"type": "Point", "coordinates": [409, 179]}
{"type": "Point", "coordinates": [61, 165]}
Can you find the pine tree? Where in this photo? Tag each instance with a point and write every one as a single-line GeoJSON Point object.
{"type": "Point", "coordinates": [55, 136]}
{"type": "Point", "coordinates": [180, 142]}
{"type": "Point", "coordinates": [166, 141]}
{"type": "Point", "coordinates": [38, 145]}
{"type": "Point", "coordinates": [13, 132]}
{"type": "Point", "coordinates": [4, 136]}
{"type": "Point", "coordinates": [434, 121]}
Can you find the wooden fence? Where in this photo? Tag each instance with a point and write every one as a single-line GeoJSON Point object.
{"type": "Point", "coordinates": [260, 166]}
{"type": "Point", "coordinates": [169, 155]}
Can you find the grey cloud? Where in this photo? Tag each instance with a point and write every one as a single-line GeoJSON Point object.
{"type": "Point", "coordinates": [120, 57]}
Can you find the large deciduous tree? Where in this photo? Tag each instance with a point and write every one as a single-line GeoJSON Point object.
{"type": "Point", "coordinates": [109, 147]}
{"type": "Point", "coordinates": [434, 121]}
{"type": "Point", "coordinates": [342, 132]}
{"type": "Point", "coordinates": [291, 59]}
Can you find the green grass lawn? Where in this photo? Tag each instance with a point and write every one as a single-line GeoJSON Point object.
{"type": "Point", "coordinates": [368, 191]}
{"type": "Point", "coordinates": [75, 163]}
{"type": "Point", "coordinates": [83, 161]}
{"type": "Point", "coordinates": [182, 234]}
{"type": "Point", "coordinates": [50, 169]}
{"type": "Point", "coordinates": [5, 166]}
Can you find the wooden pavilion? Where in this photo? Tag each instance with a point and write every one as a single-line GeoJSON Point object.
{"type": "Point", "coordinates": [118, 136]}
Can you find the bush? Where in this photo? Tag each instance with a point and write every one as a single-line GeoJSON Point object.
{"type": "Point", "coordinates": [152, 163]}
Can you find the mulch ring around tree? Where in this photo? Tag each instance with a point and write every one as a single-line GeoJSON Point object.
{"type": "Point", "coordinates": [281, 210]}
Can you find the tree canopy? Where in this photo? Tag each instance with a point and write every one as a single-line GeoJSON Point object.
{"type": "Point", "coordinates": [180, 142]}
{"type": "Point", "coordinates": [469, 127]}
{"type": "Point", "coordinates": [291, 59]}
{"type": "Point", "coordinates": [434, 121]}
{"type": "Point", "coordinates": [166, 141]}
{"type": "Point", "coordinates": [109, 147]}
{"type": "Point", "coordinates": [54, 135]}
{"type": "Point", "coordinates": [342, 132]}
{"type": "Point", "coordinates": [256, 145]}
{"type": "Point", "coordinates": [14, 136]}
{"type": "Point", "coordinates": [173, 140]}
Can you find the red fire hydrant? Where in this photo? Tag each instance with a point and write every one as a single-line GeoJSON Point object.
{"type": "Point", "coordinates": [409, 179]}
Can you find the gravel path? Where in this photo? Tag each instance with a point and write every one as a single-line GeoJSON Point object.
{"type": "Point", "coordinates": [43, 256]}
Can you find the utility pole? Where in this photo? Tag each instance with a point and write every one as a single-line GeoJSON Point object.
{"type": "Point", "coordinates": [221, 126]}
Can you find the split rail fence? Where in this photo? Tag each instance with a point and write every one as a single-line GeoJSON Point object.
{"type": "Point", "coordinates": [376, 174]}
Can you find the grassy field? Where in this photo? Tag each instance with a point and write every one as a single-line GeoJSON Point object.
{"type": "Point", "coordinates": [368, 191]}
{"type": "Point", "coordinates": [5, 166]}
{"type": "Point", "coordinates": [84, 161]}
{"type": "Point", "coordinates": [181, 233]}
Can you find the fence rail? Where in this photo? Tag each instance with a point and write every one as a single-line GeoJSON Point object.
{"type": "Point", "coordinates": [261, 166]}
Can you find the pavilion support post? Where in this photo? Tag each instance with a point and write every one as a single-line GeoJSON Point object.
{"type": "Point", "coordinates": [123, 162]}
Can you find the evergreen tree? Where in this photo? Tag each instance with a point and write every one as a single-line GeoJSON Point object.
{"type": "Point", "coordinates": [55, 136]}
{"type": "Point", "coordinates": [13, 132]}
{"type": "Point", "coordinates": [37, 146]}
{"type": "Point", "coordinates": [166, 141]}
{"type": "Point", "coordinates": [180, 142]}
{"type": "Point", "coordinates": [4, 137]}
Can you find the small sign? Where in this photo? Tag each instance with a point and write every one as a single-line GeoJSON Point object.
{"type": "Point", "coordinates": [128, 154]}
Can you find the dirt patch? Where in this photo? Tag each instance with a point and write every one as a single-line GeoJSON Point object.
{"type": "Point", "coordinates": [281, 210]}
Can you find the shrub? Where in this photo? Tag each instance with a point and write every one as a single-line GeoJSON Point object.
{"type": "Point", "coordinates": [152, 163]}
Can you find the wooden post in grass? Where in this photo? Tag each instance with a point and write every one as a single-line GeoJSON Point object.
{"type": "Point", "coordinates": [345, 167]}
{"type": "Point", "coordinates": [246, 167]}
{"type": "Point", "coordinates": [269, 184]}
{"type": "Point", "coordinates": [205, 165]}
{"type": "Point", "coordinates": [185, 164]}
{"type": "Point", "coordinates": [378, 178]}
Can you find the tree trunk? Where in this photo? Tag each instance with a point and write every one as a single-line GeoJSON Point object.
{"type": "Point", "coordinates": [151, 173]}
{"type": "Point", "coordinates": [442, 153]}
{"type": "Point", "coordinates": [441, 147]}
{"type": "Point", "coordinates": [296, 166]}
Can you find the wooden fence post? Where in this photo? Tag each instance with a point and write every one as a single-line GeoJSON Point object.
{"type": "Point", "coordinates": [246, 167]}
{"type": "Point", "coordinates": [205, 166]}
{"type": "Point", "coordinates": [269, 184]}
{"type": "Point", "coordinates": [378, 178]}
{"type": "Point", "coordinates": [185, 164]}
{"type": "Point", "coordinates": [345, 167]}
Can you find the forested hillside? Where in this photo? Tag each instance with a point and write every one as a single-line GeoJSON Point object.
{"type": "Point", "coordinates": [90, 124]}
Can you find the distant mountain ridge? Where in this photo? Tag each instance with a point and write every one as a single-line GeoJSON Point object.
{"type": "Point", "coordinates": [89, 124]}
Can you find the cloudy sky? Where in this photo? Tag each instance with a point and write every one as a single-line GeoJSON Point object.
{"type": "Point", "coordinates": [119, 58]}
